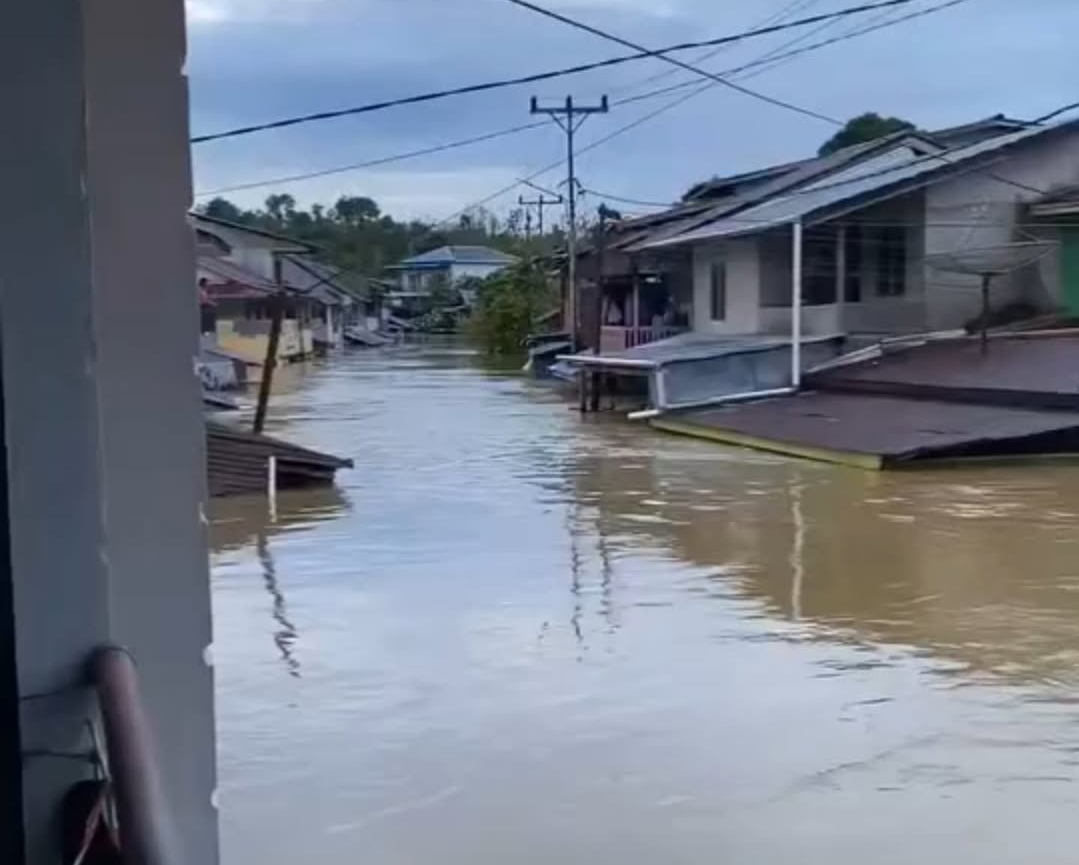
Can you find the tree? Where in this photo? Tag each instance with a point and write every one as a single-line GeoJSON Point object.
{"type": "Point", "coordinates": [508, 307]}
{"type": "Point", "coordinates": [222, 208]}
{"type": "Point", "coordinates": [865, 127]}
{"type": "Point", "coordinates": [280, 206]}
{"type": "Point", "coordinates": [356, 209]}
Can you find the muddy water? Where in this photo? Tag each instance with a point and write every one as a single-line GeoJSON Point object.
{"type": "Point", "coordinates": [513, 636]}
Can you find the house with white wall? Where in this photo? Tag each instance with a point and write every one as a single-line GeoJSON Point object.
{"type": "Point", "coordinates": [240, 269]}
{"type": "Point", "coordinates": [453, 265]}
{"type": "Point", "coordinates": [870, 233]}
{"type": "Point", "coordinates": [769, 272]}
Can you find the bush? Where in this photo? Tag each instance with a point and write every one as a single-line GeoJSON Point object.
{"type": "Point", "coordinates": [508, 307]}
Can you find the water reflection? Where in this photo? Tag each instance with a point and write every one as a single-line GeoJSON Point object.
{"type": "Point", "coordinates": [237, 522]}
{"type": "Point", "coordinates": [285, 636]}
{"type": "Point", "coordinates": [527, 637]}
{"type": "Point", "coordinates": [979, 567]}
{"type": "Point", "coordinates": [241, 522]}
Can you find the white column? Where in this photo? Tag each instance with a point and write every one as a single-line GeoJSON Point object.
{"type": "Point", "coordinates": [103, 415]}
{"type": "Point", "coordinates": [796, 305]}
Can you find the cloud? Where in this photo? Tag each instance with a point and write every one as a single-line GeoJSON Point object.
{"type": "Point", "coordinates": [257, 60]}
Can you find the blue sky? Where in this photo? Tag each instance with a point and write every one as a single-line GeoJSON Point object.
{"type": "Point", "coordinates": [256, 60]}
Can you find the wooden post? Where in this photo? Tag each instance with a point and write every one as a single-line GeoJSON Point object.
{"type": "Point", "coordinates": [582, 390]}
{"type": "Point", "coordinates": [601, 249]}
{"type": "Point", "coordinates": [796, 305]}
{"type": "Point", "coordinates": [270, 363]}
{"type": "Point", "coordinates": [594, 399]}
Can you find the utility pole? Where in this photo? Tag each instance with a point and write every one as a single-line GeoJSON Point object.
{"type": "Point", "coordinates": [539, 203]}
{"type": "Point", "coordinates": [570, 117]}
{"type": "Point", "coordinates": [277, 315]}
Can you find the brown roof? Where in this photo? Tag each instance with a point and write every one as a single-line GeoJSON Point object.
{"type": "Point", "coordinates": [893, 428]}
{"type": "Point", "coordinates": [1033, 371]}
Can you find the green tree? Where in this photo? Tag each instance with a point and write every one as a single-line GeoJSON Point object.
{"type": "Point", "coordinates": [356, 209]}
{"type": "Point", "coordinates": [222, 208]}
{"type": "Point", "coordinates": [865, 127]}
{"type": "Point", "coordinates": [508, 307]}
{"type": "Point", "coordinates": [280, 207]}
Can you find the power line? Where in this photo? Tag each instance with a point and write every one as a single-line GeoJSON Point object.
{"type": "Point", "coordinates": [544, 76]}
{"type": "Point", "coordinates": [701, 87]}
{"type": "Point", "coordinates": [806, 49]}
{"type": "Point", "coordinates": [1054, 114]}
{"type": "Point", "coordinates": [610, 37]}
{"type": "Point", "coordinates": [372, 163]}
{"type": "Point", "coordinates": [785, 12]}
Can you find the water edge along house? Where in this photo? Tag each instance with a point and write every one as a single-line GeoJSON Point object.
{"type": "Point", "coordinates": [858, 231]}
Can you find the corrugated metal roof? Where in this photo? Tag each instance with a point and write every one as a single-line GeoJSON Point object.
{"type": "Point", "coordinates": [218, 272]}
{"type": "Point", "coordinates": [893, 428]}
{"type": "Point", "coordinates": [313, 279]}
{"type": "Point", "coordinates": [448, 255]}
{"type": "Point", "coordinates": [901, 168]}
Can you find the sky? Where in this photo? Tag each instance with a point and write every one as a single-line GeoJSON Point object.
{"type": "Point", "coordinates": [252, 61]}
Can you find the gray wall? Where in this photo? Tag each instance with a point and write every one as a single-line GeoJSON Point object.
{"type": "Point", "coordinates": [977, 197]}
{"type": "Point", "coordinates": [104, 425]}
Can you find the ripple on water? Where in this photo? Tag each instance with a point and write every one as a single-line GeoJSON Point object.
{"type": "Point", "coordinates": [510, 635]}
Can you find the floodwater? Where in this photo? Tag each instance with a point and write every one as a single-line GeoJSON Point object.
{"type": "Point", "coordinates": [515, 636]}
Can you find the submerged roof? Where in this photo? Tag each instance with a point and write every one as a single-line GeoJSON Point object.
{"type": "Point", "coordinates": [445, 256]}
{"type": "Point", "coordinates": [893, 172]}
{"type": "Point", "coordinates": [888, 428]}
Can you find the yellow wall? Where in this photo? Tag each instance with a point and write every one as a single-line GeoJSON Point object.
{"type": "Point", "coordinates": [252, 345]}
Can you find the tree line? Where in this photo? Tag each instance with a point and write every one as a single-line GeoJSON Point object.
{"type": "Point", "coordinates": [356, 234]}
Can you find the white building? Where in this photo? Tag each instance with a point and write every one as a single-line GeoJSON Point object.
{"type": "Point", "coordinates": [454, 264]}
{"type": "Point", "coordinates": [873, 231]}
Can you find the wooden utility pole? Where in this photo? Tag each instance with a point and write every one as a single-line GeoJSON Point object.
{"type": "Point", "coordinates": [570, 117]}
{"type": "Point", "coordinates": [539, 203]}
{"type": "Point", "coordinates": [277, 315]}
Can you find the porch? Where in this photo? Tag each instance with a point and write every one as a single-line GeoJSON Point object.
{"type": "Point", "coordinates": [613, 339]}
{"type": "Point", "coordinates": [640, 308]}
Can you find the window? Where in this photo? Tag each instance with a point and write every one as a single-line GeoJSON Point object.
{"type": "Point", "coordinates": [818, 266]}
{"type": "Point", "coordinates": [892, 261]}
{"type": "Point", "coordinates": [852, 289]}
{"type": "Point", "coordinates": [718, 290]}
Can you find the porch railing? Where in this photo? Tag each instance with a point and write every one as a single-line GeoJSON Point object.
{"type": "Point", "coordinates": [614, 338]}
{"type": "Point", "coordinates": [146, 832]}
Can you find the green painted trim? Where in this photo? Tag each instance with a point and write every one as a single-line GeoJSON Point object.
{"type": "Point", "coordinates": [872, 462]}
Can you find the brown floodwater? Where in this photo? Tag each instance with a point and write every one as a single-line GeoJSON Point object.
{"type": "Point", "coordinates": [511, 635]}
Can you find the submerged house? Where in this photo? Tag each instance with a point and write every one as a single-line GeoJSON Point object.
{"type": "Point", "coordinates": [242, 271]}
{"type": "Point", "coordinates": [858, 231]}
{"type": "Point", "coordinates": [451, 265]}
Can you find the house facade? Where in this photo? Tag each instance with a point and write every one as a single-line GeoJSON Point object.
{"type": "Point", "coordinates": [241, 274]}
{"type": "Point", "coordinates": [875, 223]}
{"type": "Point", "coordinates": [451, 265]}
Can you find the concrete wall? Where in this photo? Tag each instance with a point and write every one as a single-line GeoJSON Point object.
{"type": "Point", "coordinates": [977, 197]}
{"type": "Point", "coordinates": [877, 313]}
{"type": "Point", "coordinates": [741, 259]}
{"type": "Point", "coordinates": [823, 320]}
{"type": "Point", "coordinates": [250, 338]}
{"type": "Point", "coordinates": [103, 415]}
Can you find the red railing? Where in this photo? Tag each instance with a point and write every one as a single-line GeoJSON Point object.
{"type": "Point", "coordinates": [613, 339]}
